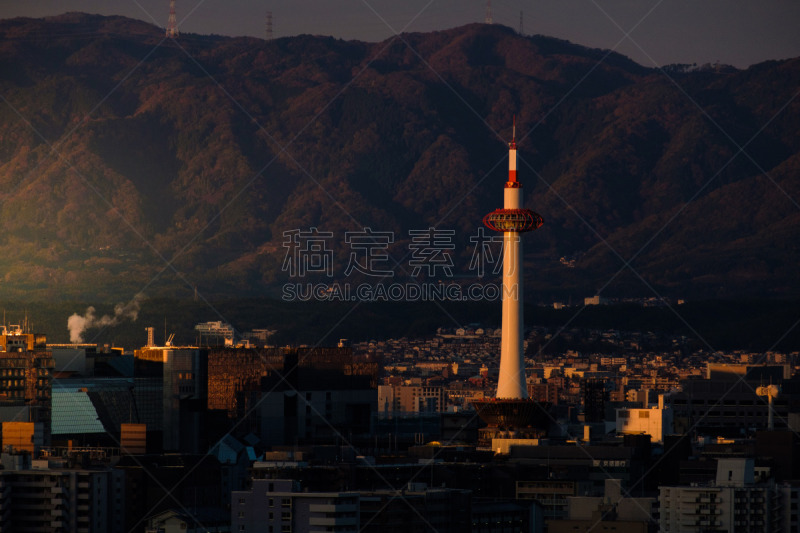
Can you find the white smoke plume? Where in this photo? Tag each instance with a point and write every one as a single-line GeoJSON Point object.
{"type": "Point", "coordinates": [77, 324]}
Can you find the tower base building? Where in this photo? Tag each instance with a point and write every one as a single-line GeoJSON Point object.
{"type": "Point", "coordinates": [511, 419]}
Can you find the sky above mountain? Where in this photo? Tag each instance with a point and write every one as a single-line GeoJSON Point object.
{"type": "Point", "coordinates": [651, 32]}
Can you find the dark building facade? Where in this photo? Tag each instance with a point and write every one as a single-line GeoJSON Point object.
{"type": "Point", "coordinates": [25, 379]}
{"type": "Point", "coordinates": [293, 395]}
{"type": "Point", "coordinates": [729, 403]}
{"type": "Point", "coordinates": [180, 375]}
{"type": "Point", "coordinates": [594, 395]}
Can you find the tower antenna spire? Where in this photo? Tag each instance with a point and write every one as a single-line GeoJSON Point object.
{"type": "Point", "coordinates": [514, 130]}
{"type": "Point", "coordinates": [488, 11]}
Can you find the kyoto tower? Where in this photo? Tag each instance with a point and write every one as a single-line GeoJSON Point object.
{"type": "Point", "coordinates": [511, 413]}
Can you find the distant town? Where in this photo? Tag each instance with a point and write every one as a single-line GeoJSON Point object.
{"type": "Point", "coordinates": [646, 433]}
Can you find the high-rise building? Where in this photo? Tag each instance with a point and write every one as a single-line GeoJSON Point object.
{"type": "Point", "coordinates": [232, 374]}
{"type": "Point", "coordinates": [293, 395]}
{"type": "Point", "coordinates": [594, 395]}
{"type": "Point", "coordinates": [273, 505]}
{"type": "Point", "coordinates": [194, 396]}
{"type": "Point", "coordinates": [734, 502]}
{"type": "Point", "coordinates": [410, 399]}
{"type": "Point", "coordinates": [184, 382]}
{"type": "Point", "coordinates": [25, 378]}
{"type": "Point", "coordinates": [543, 392]}
{"type": "Point", "coordinates": [50, 495]}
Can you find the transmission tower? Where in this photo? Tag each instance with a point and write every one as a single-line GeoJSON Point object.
{"type": "Point", "coordinates": [268, 29]}
{"type": "Point", "coordinates": [172, 22]}
{"type": "Point", "coordinates": [488, 11]}
{"type": "Point", "coordinates": [521, 29]}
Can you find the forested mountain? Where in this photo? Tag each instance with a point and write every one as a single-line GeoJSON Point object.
{"type": "Point", "coordinates": [133, 163]}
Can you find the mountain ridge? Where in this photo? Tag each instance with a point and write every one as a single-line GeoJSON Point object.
{"type": "Point", "coordinates": [132, 163]}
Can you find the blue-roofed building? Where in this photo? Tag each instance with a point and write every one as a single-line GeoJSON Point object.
{"type": "Point", "coordinates": [73, 413]}
{"type": "Point", "coordinates": [90, 411]}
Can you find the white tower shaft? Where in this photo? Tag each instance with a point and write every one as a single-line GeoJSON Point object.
{"type": "Point", "coordinates": [511, 383]}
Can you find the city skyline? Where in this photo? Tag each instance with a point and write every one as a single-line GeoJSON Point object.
{"type": "Point", "coordinates": [191, 177]}
{"type": "Point", "coordinates": [653, 33]}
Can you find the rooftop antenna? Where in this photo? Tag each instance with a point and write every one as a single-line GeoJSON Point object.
{"type": "Point", "coordinates": [172, 22]}
{"type": "Point", "coordinates": [514, 130]}
{"type": "Point", "coordinates": [269, 26]}
{"type": "Point", "coordinates": [770, 391]}
{"type": "Point", "coordinates": [488, 11]}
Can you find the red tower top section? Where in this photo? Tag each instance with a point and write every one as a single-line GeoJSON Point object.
{"type": "Point", "coordinates": [516, 220]}
{"type": "Point", "coordinates": [512, 182]}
